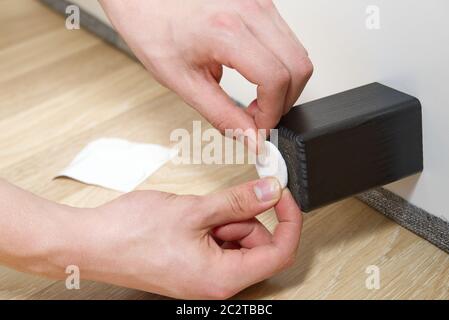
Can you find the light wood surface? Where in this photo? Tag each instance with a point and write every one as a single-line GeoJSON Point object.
{"type": "Point", "coordinates": [61, 89]}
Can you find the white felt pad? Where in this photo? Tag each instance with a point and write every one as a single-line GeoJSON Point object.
{"type": "Point", "coordinates": [273, 165]}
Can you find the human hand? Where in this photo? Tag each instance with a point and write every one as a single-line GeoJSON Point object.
{"type": "Point", "coordinates": [191, 246]}
{"type": "Point", "coordinates": [185, 44]}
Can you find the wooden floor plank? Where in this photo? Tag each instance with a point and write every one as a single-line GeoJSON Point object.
{"type": "Point", "coordinates": [61, 89]}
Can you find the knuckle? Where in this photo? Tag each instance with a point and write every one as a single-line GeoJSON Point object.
{"type": "Point", "coordinates": [238, 201]}
{"type": "Point", "coordinates": [226, 21]}
{"type": "Point", "coordinates": [220, 123]}
{"type": "Point", "coordinates": [305, 68]}
{"type": "Point", "coordinates": [281, 75]}
{"type": "Point", "coordinates": [289, 262]}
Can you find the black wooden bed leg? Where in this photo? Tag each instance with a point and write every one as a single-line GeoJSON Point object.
{"type": "Point", "coordinates": [347, 143]}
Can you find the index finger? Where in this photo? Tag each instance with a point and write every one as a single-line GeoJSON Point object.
{"type": "Point", "coordinates": [261, 67]}
{"type": "Point", "coordinates": [264, 261]}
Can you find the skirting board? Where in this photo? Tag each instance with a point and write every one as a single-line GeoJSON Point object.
{"type": "Point", "coordinates": [92, 24]}
{"type": "Point", "coordinates": [424, 224]}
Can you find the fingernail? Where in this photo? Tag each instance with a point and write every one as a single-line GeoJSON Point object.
{"type": "Point", "coordinates": [267, 189]}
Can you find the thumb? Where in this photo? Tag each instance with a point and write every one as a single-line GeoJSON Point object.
{"type": "Point", "coordinates": [240, 203]}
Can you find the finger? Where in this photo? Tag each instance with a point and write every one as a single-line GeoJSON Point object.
{"type": "Point", "coordinates": [260, 66]}
{"type": "Point", "coordinates": [239, 203]}
{"type": "Point", "coordinates": [248, 234]}
{"type": "Point", "coordinates": [262, 262]}
{"type": "Point", "coordinates": [304, 66]}
{"type": "Point", "coordinates": [287, 232]}
{"type": "Point", "coordinates": [281, 41]}
{"type": "Point", "coordinates": [205, 95]}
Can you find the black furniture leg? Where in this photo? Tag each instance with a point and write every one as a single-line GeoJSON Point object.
{"type": "Point", "coordinates": [347, 143]}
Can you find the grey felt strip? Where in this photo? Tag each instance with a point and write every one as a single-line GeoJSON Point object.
{"type": "Point", "coordinates": [424, 224]}
{"type": "Point", "coordinates": [419, 221]}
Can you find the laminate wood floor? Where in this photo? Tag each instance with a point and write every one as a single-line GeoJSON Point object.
{"type": "Point", "coordinates": [61, 89]}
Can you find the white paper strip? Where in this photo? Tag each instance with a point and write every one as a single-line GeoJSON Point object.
{"type": "Point", "coordinates": [117, 164]}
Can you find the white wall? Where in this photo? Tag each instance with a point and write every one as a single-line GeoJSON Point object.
{"type": "Point", "coordinates": [409, 52]}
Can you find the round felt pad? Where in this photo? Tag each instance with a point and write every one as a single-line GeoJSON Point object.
{"type": "Point", "coordinates": [272, 165]}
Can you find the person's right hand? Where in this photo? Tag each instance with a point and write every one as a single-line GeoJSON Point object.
{"type": "Point", "coordinates": [185, 45]}
{"type": "Point", "coordinates": [191, 246]}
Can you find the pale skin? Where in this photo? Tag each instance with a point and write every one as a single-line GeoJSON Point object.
{"type": "Point", "coordinates": [194, 247]}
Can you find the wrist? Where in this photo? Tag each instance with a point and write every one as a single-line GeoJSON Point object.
{"type": "Point", "coordinates": [88, 242]}
{"type": "Point", "coordinates": [73, 240]}
{"type": "Point", "coordinates": [52, 240]}
{"type": "Point", "coordinates": [58, 237]}
{"type": "Point", "coordinates": [42, 237]}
